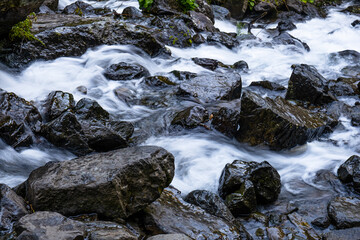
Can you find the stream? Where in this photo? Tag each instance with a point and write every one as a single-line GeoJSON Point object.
{"type": "Point", "coordinates": [200, 154]}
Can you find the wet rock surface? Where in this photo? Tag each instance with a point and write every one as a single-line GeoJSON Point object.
{"type": "Point", "coordinates": [344, 212]}
{"type": "Point", "coordinates": [191, 117]}
{"type": "Point", "coordinates": [125, 71]}
{"type": "Point", "coordinates": [349, 172]}
{"type": "Point", "coordinates": [122, 183]}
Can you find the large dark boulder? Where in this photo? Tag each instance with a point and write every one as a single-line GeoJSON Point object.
{"type": "Point", "coordinates": [125, 71]}
{"type": "Point", "coordinates": [171, 214]}
{"type": "Point", "coordinates": [226, 120]}
{"type": "Point", "coordinates": [349, 172]}
{"type": "Point", "coordinates": [12, 207]}
{"type": "Point", "coordinates": [57, 103]}
{"type": "Point", "coordinates": [19, 119]}
{"type": "Point", "coordinates": [208, 63]}
{"type": "Point", "coordinates": [14, 11]}
{"type": "Point", "coordinates": [114, 185]}
{"type": "Point", "coordinates": [213, 87]}
{"type": "Point", "coordinates": [243, 200]}
{"type": "Point", "coordinates": [277, 123]}
{"type": "Point", "coordinates": [79, 8]}
{"type": "Point", "coordinates": [306, 84]}
{"type": "Point", "coordinates": [344, 212]}
{"type": "Point", "coordinates": [191, 117]}
{"type": "Point", "coordinates": [229, 40]}
{"type": "Point", "coordinates": [237, 8]}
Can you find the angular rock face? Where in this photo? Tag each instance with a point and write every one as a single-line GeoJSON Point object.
{"type": "Point", "coordinates": [171, 214]}
{"type": "Point", "coordinates": [237, 8]}
{"type": "Point", "coordinates": [306, 84]}
{"type": "Point", "coordinates": [226, 120]}
{"type": "Point", "coordinates": [101, 230]}
{"type": "Point", "coordinates": [12, 207]}
{"type": "Point", "coordinates": [18, 120]}
{"type": "Point", "coordinates": [344, 212]}
{"type": "Point", "coordinates": [277, 123]}
{"type": "Point", "coordinates": [349, 172]}
{"type": "Point", "coordinates": [126, 71]}
{"type": "Point", "coordinates": [210, 88]}
{"type": "Point", "coordinates": [286, 39]}
{"type": "Point", "coordinates": [13, 11]}
{"type": "Point", "coordinates": [191, 117]}
{"type": "Point", "coordinates": [115, 184]}
{"type": "Point", "coordinates": [56, 103]}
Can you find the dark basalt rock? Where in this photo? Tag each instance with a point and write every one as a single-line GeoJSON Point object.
{"type": "Point", "coordinates": [171, 214]}
{"type": "Point", "coordinates": [355, 23]}
{"type": "Point", "coordinates": [125, 71]}
{"type": "Point", "coordinates": [18, 120]}
{"type": "Point", "coordinates": [306, 9]}
{"type": "Point", "coordinates": [221, 13]}
{"type": "Point", "coordinates": [201, 22]}
{"type": "Point", "coordinates": [79, 8]}
{"type": "Point", "coordinates": [277, 123]}
{"type": "Point", "coordinates": [351, 56]}
{"type": "Point", "coordinates": [352, 9]}
{"type": "Point", "coordinates": [242, 201]}
{"type": "Point", "coordinates": [57, 103]}
{"type": "Point", "coordinates": [268, 85]}
{"type": "Point", "coordinates": [191, 117]}
{"type": "Point", "coordinates": [211, 203]}
{"type": "Point", "coordinates": [101, 230]}
{"type": "Point", "coordinates": [264, 7]}
{"type": "Point", "coordinates": [344, 212]}
{"type": "Point", "coordinates": [183, 75]}
{"type": "Point", "coordinates": [213, 87]}
{"type": "Point", "coordinates": [344, 87]}
{"type": "Point", "coordinates": [321, 222]}
{"type": "Point", "coordinates": [285, 25]}
{"type": "Point", "coordinates": [122, 183]}
{"type": "Point", "coordinates": [229, 40]}
{"type": "Point", "coordinates": [158, 81]}
{"type": "Point", "coordinates": [132, 12]}
{"type": "Point", "coordinates": [12, 208]}
{"type": "Point", "coordinates": [342, 234]}
{"type": "Point", "coordinates": [286, 39]}
{"type": "Point", "coordinates": [226, 120]}
{"type": "Point", "coordinates": [241, 66]}
{"type": "Point", "coordinates": [237, 8]}
{"type": "Point", "coordinates": [51, 4]}
{"type": "Point", "coordinates": [170, 236]}
{"type": "Point", "coordinates": [208, 63]}
{"type": "Point", "coordinates": [306, 84]}
{"type": "Point", "coordinates": [349, 172]}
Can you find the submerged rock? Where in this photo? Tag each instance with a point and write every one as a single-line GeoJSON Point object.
{"type": "Point", "coordinates": [286, 39]}
{"type": "Point", "coordinates": [125, 71]}
{"type": "Point", "coordinates": [344, 212]}
{"type": "Point", "coordinates": [122, 182]}
{"type": "Point", "coordinates": [277, 123]}
{"type": "Point", "coordinates": [349, 172]}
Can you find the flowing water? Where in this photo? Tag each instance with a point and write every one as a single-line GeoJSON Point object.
{"type": "Point", "coordinates": [200, 154]}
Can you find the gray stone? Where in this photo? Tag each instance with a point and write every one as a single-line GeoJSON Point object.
{"type": "Point", "coordinates": [344, 212]}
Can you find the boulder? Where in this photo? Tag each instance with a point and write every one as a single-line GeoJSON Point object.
{"type": "Point", "coordinates": [350, 56]}
{"type": "Point", "coordinates": [211, 203]}
{"type": "Point", "coordinates": [164, 7]}
{"type": "Point", "coordinates": [79, 8]}
{"type": "Point", "coordinates": [241, 66]}
{"type": "Point", "coordinates": [268, 85]}
{"type": "Point", "coordinates": [183, 75]}
{"type": "Point", "coordinates": [57, 103]}
{"type": "Point", "coordinates": [221, 13]}
{"type": "Point", "coordinates": [52, 4]}
{"type": "Point", "coordinates": [277, 123]}
{"type": "Point", "coordinates": [201, 22]}
{"type": "Point", "coordinates": [19, 119]}
{"type": "Point", "coordinates": [12, 208]}
{"type": "Point", "coordinates": [303, 226]}
{"type": "Point", "coordinates": [243, 200]}
{"type": "Point", "coordinates": [208, 63]}
{"type": "Point", "coordinates": [13, 11]}
{"type": "Point", "coordinates": [344, 212]}
{"type": "Point", "coordinates": [352, 9]}
{"type": "Point", "coordinates": [213, 87]}
{"type": "Point", "coordinates": [191, 117]}
{"type": "Point", "coordinates": [101, 230]}
{"type": "Point", "coordinates": [349, 172]}
{"type": "Point", "coordinates": [344, 86]}
{"type": "Point", "coordinates": [171, 214]}
{"type": "Point", "coordinates": [226, 120]}
{"type": "Point", "coordinates": [114, 185]}
{"type": "Point", "coordinates": [125, 71]}
{"type": "Point", "coordinates": [241, 176]}
{"type": "Point", "coordinates": [355, 23]}
{"type": "Point", "coordinates": [306, 9]}
{"type": "Point", "coordinates": [237, 8]}
{"type": "Point", "coordinates": [342, 234]}
{"type": "Point", "coordinates": [229, 40]}
{"type": "Point", "coordinates": [173, 236]}
{"type": "Point", "coordinates": [285, 38]}
{"type": "Point", "coordinates": [158, 81]}
{"type": "Point", "coordinates": [306, 84]}
{"type": "Point", "coordinates": [285, 25]}
{"type": "Point", "coordinates": [131, 12]}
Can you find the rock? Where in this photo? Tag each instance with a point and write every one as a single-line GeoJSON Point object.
{"type": "Point", "coordinates": [221, 13]}
{"type": "Point", "coordinates": [304, 227]}
{"type": "Point", "coordinates": [342, 234]}
{"type": "Point", "coordinates": [350, 56]}
{"type": "Point", "coordinates": [306, 9]}
{"type": "Point", "coordinates": [79, 8]}
{"type": "Point", "coordinates": [18, 120]}
{"type": "Point", "coordinates": [277, 123]}
{"type": "Point", "coordinates": [268, 85]}
{"type": "Point", "coordinates": [202, 22]}
{"type": "Point", "coordinates": [344, 212]}
{"type": "Point", "coordinates": [285, 38]}
{"type": "Point", "coordinates": [241, 66]}
{"type": "Point", "coordinates": [101, 230]}
{"type": "Point", "coordinates": [13, 11]}
{"type": "Point", "coordinates": [171, 214]}
{"type": "Point", "coordinates": [352, 9]}
{"type": "Point", "coordinates": [243, 200]}
{"type": "Point", "coordinates": [321, 222]}
{"type": "Point", "coordinates": [114, 185]}
{"type": "Point", "coordinates": [12, 207]}
{"type": "Point", "coordinates": [355, 23]}
{"type": "Point", "coordinates": [57, 103]}
{"type": "Point", "coordinates": [125, 71]}
{"type": "Point", "coordinates": [208, 63]}
{"type": "Point", "coordinates": [355, 115]}
{"type": "Point", "coordinates": [213, 87]}
{"type": "Point", "coordinates": [344, 87]}
{"type": "Point", "coordinates": [191, 117]}
{"type": "Point", "coordinates": [285, 25]}
{"type": "Point", "coordinates": [306, 84]}
{"type": "Point", "coordinates": [49, 225]}
{"type": "Point", "coordinates": [264, 7]}
{"type": "Point", "coordinates": [164, 7]}
{"type": "Point", "coordinates": [205, 8]}
{"type": "Point", "coordinates": [226, 120]}
{"type": "Point", "coordinates": [237, 8]}
{"type": "Point", "coordinates": [211, 203]}
{"type": "Point", "coordinates": [275, 233]}
{"type": "Point", "coordinates": [158, 81]}
{"type": "Point", "coordinates": [174, 236]}
{"type": "Point", "coordinates": [132, 12]}
{"type": "Point", "coordinates": [229, 40]}
{"type": "Point", "coordinates": [198, 39]}
{"type": "Point", "coordinates": [183, 75]}
{"type": "Point", "coordinates": [52, 4]}
{"type": "Point", "coordinates": [349, 172]}
{"type": "Point", "coordinates": [264, 178]}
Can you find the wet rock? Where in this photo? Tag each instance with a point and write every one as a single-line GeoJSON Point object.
{"type": "Point", "coordinates": [268, 85]}
{"type": "Point", "coordinates": [132, 12]}
{"type": "Point", "coordinates": [285, 25]}
{"type": "Point", "coordinates": [277, 123]}
{"type": "Point", "coordinates": [12, 12]}
{"type": "Point", "coordinates": [344, 87]}
{"type": "Point", "coordinates": [342, 234]}
{"type": "Point", "coordinates": [51, 4]}
{"type": "Point", "coordinates": [352, 9]}
{"type": "Point", "coordinates": [211, 203]}
{"type": "Point", "coordinates": [66, 132]}
{"type": "Point", "coordinates": [12, 207]}
{"type": "Point", "coordinates": [198, 39]}
{"type": "Point", "coordinates": [213, 87]}
{"type": "Point", "coordinates": [351, 71]}
{"type": "Point", "coordinates": [101, 230]}
{"type": "Point", "coordinates": [191, 117]}
{"type": "Point", "coordinates": [355, 23]}
{"type": "Point", "coordinates": [241, 66]}
{"type": "Point", "coordinates": [164, 7]}
{"type": "Point", "coordinates": [237, 8]}
{"type": "Point", "coordinates": [158, 81]}
{"type": "Point", "coordinates": [350, 56]}
{"type": "Point", "coordinates": [18, 120]}
{"type": "Point", "coordinates": [355, 115]}
{"type": "Point", "coordinates": [183, 75]}
{"type": "Point", "coordinates": [82, 89]}
{"type": "Point", "coordinates": [229, 40]}
{"type": "Point", "coordinates": [321, 222]}
{"type": "Point", "coordinates": [208, 63]}
{"type": "Point", "coordinates": [349, 172]}
{"type": "Point", "coordinates": [302, 226]}
{"type": "Point", "coordinates": [171, 214]}
{"type": "Point", "coordinates": [79, 8]}
{"type": "Point", "coordinates": [57, 103]}
{"type": "Point", "coordinates": [205, 8]}
{"type": "Point", "coordinates": [226, 120]}
{"type": "Point", "coordinates": [286, 39]}
{"type": "Point", "coordinates": [125, 71]}
{"type": "Point", "coordinates": [344, 212]}
{"type": "Point", "coordinates": [221, 13]}
{"type": "Point", "coordinates": [124, 94]}
{"type": "Point", "coordinates": [243, 184]}
{"type": "Point", "coordinates": [275, 233]}
{"type": "Point", "coordinates": [306, 84]}
{"type": "Point", "coordinates": [49, 225]}
{"type": "Point", "coordinates": [122, 183]}
{"type": "Point", "coordinates": [306, 9]}
{"type": "Point", "coordinates": [174, 236]}
{"type": "Point", "coordinates": [201, 22]}
{"type": "Point", "coordinates": [264, 7]}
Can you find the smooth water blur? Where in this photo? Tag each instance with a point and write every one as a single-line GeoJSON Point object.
{"type": "Point", "coordinates": [200, 156]}
{"type": "Point", "coordinates": [112, 4]}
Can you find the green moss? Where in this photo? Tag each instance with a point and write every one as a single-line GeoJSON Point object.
{"type": "Point", "coordinates": [22, 30]}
